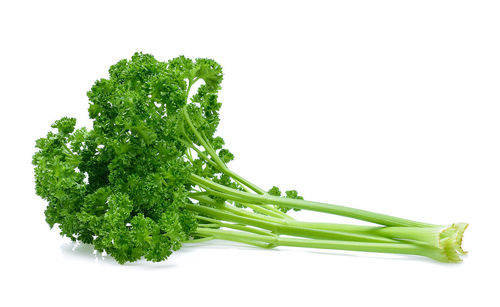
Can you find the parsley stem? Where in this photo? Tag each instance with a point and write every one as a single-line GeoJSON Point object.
{"type": "Point", "coordinates": [368, 216]}
{"type": "Point", "coordinates": [393, 248]}
{"type": "Point", "coordinates": [283, 228]}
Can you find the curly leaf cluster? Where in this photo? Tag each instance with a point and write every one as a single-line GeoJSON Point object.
{"type": "Point", "coordinates": [123, 186]}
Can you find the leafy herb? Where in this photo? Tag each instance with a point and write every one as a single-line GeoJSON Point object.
{"type": "Point", "coordinates": [151, 175]}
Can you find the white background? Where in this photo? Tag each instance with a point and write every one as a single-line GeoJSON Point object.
{"type": "Point", "coordinates": [391, 106]}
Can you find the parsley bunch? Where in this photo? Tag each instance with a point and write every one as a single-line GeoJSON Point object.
{"type": "Point", "coordinates": [151, 175]}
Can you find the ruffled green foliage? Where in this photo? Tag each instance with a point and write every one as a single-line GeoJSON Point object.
{"type": "Point", "coordinates": [123, 186]}
{"type": "Point", "coordinates": [57, 177]}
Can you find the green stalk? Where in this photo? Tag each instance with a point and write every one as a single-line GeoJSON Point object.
{"type": "Point", "coordinates": [426, 235]}
{"type": "Point", "coordinates": [221, 165]}
{"type": "Point", "coordinates": [262, 210]}
{"type": "Point", "coordinates": [202, 196]}
{"type": "Point", "coordinates": [432, 236]}
{"type": "Point", "coordinates": [236, 238]}
{"type": "Point", "coordinates": [279, 228]}
{"type": "Point", "coordinates": [204, 199]}
{"type": "Point", "coordinates": [234, 226]}
{"type": "Point", "coordinates": [233, 194]}
{"type": "Point", "coordinates": [393, 248]}
{"type": "Point", "coordinates": [202, 141]}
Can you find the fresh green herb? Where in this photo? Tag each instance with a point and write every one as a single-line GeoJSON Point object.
{"type": "Point", "coordinates": [151, 175]}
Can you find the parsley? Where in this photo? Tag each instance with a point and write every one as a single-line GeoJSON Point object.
{"type": "Point", "coordinates": [151, 175]}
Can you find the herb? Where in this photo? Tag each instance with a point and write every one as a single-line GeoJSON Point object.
{"type": "Point", "coordinates": [151, 175]}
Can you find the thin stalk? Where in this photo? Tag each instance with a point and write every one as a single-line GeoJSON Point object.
{"type": "Point", "coordinates": [65, 146]}
{"type": "Point", "coordinates": [198, 151]}
{"type": "Point", "coordinates": [423, 235]}
{"type": "Point", "coordinates": [262, 210]}
{"type": "Point", "coordinates": [363, 215]}
{"type": "Point", "coordinates": [189, 156]}
{"type": "Point", "coordinates": [207, 146]}
{"type": "Point", "coordinates": [202, 155]}
{"type": "Point", "coordinates": [243, 201]}
{"type": "Point", "coordinates": [222, 166]}
{"type": "Point", "coordinates": [392, 248]}
{"type": "Point", "coordinates": [235, 226]}
{"type": "Point", "coordinates": [426, 235]}
{"type": "Point", "coordinates": [201, 197]}
{"type": "Point", "coordinates": [209, 225]}
{"type": "Point", "coordinates": [278, 212]}
{"type": "Point", "coordinates": [244, 181]}
{"type": "Point", "coordinates": [235, 238]}
{"type": "Point", "coordinates": [291, 230]}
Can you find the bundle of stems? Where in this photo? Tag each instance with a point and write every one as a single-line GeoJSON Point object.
{"type": "Point", "coordinates": [250, 215]}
